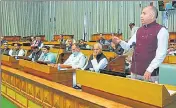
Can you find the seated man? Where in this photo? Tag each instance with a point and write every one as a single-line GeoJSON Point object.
{"type": "Point", "coordinates": [6, 49]}
{"type": "Point", "coordinates": [97, 60]}
{"type": "Point", "coordinates": [36, 53]}
{"type": "Point", "coordinates": [70, 38]}
{"type": "Point", "coordinates": [46, 56]}
{"type": "Point", "coordinates": [37, 42]}
{"type": "Point", "coordinates": [61, 39]}
{"type": "Point", "coordinates": [82, 44]}
{"type": "Point", "coordinates": [116, 48]}
{"type": "Point", "coordinates": [76, 60]}
{"type": "Point", "coordinates": [103, 41]}
{"type": "Point", "coordinates": [171, 51]}
{"type": "Point", "coordinates": [17, 51]}
{"type": "Point", "coordinates": [69, 45]}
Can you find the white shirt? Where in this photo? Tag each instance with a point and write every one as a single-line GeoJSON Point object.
{"type": "Point", "coordinates": [133, 31]}
{"type": "Point", "coordinates": [76, 61]}
{"type": "Point", "coordinates": [21, 52]}
{"type": "Point", "coordinates": [101, 65]}
{"type": "Point", "coordinates": [172, 53]}
{"type": "Point", "coordinates": [161, 50]}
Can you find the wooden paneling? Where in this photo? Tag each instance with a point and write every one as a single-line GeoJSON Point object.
{"type": "Point", "coordinates": [9, 61]}
{"type": "Point", "coordinates": [170, 60]}
{"type": "Point", "coordinates": [125, 90]}
{"type": "Point", "coordinates": [107, 36]}
{"type": "Point", "coordinates": [43, 93]}
{"type": "Point", "coordinates": [12, 38]}
{"type": "Point", "coordinates": [56, 37]}
{"type": "Point", "coordinates": [48, 72]}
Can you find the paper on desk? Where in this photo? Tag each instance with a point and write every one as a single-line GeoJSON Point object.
{"type": "Point", "coordinates": [63, 69]}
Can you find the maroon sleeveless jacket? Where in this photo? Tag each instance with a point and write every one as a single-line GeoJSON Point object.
{"type": "Point", "coordinates": [145, 50]}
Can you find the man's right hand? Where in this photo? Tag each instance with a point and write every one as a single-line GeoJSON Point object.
{"type": "Point", "coordinates": [116, 40]}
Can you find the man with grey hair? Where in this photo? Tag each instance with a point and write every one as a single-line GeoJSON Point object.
{"type": "Point", "coordinates": [76, 60]}
{"type": "Point", "coordinates": [97, 60]}
{"type": "Point", "coordinates": [151, 43]}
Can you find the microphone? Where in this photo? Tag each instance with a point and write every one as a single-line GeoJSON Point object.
{"type": "Point", "coordinates": [133, 45]}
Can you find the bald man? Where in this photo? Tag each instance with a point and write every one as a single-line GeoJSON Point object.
{"type": "Point", "coordinates": [97, 60]}
{"type": "Point", "coordinates": [151, 43]}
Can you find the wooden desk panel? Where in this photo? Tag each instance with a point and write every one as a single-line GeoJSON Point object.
{"type": "Point", "coordinates": [56, 37]}
{"type": "Point", "coordinates": [44, 93]}
{"type": "Point", "coordinates": [51, 43]}
{"type": "Point", "coordinates": [12, 38]}
{"type": "Point", "coordinates": [96, 37]}
{"type": "Point", "coordinates": [170, 59]}
{"type": "Point", "coordinates": [91, 43]}
{"type": "Point", "coordinates": [9, 61]}
{"type": "Point", "coordinates": [63, 76]}
{"type": "Point", "coordinates": [127, 91]}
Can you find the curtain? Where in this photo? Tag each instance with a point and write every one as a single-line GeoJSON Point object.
{"type": "Point", "coordinates": [172, 20]}
{"type": "Point", "coordinates": [47, 18]}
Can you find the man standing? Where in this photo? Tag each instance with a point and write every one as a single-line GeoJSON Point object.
{"type": "Point", "coordinates": [151, 43]}
{"type": "Point", "coordinates": [133, 29]}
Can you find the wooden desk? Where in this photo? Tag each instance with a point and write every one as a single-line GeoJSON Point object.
{"type": "Point", "coordinates": [106, 36]}
{"type": "Point", "coordinates": [135, 93]}
{"type": "Point", "coordinates": [117, 64]}
{"type": "Point", "coordinates": [44, 71]}
{"type": "Point", "coordinates": [91, 43]}
{"type": "Point", "coordinates": [12, 38]}
{"type": "Point", "coordinates": [56, 37]}
{"type": "Point", "coordinates": [9, 61]}
{"type": "Point", "coordinates": [51, 43]}
{"type": "Point", "coordinates": [63, 57]}
{"type": "Point", "coordinates": [29, 91]}
{"type": "Point", "coordinates": [170, 59]}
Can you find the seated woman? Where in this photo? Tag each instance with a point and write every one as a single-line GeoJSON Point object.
{"type": "Point", "coordinates": [46, 56]}
{"type": "Point", "coordinates": [17, 51]}
{"type": "Point", "coordinates": [6, 49]}
{"type": "Point", "coordinates": [97, 60]}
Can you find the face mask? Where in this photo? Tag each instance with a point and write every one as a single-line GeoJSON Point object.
{"type": "Point", "coordinates": [75, 53]}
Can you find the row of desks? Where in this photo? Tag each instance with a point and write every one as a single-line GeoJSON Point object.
{"type": "Point", "coordinates": [34, 85]}
{"type": "Point", "coordinates": [49, 43]}
{"type": "Point", "coordinates": [28, 89]}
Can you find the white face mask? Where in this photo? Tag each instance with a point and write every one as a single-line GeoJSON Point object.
{"type": "Point", "coordinates": [75, 53]}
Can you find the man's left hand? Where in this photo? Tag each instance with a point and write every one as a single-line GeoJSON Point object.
{"type": "Point", "coordinates": [147, 75]}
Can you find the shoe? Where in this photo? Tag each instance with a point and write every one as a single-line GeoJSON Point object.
{"type": "Point", "coordinates": [77, 87]}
